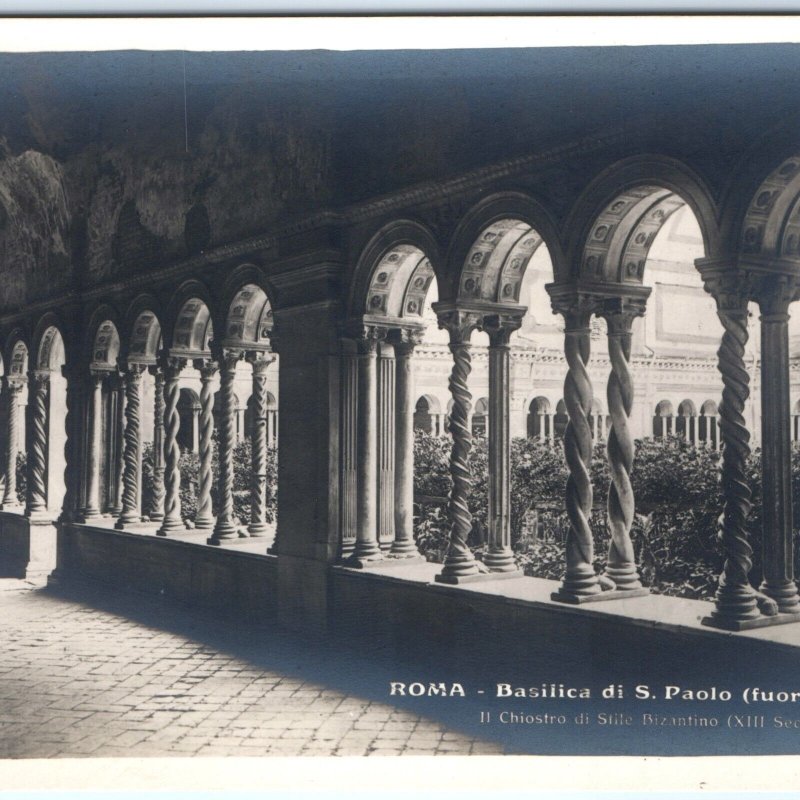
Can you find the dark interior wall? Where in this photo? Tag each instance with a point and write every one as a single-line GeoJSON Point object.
{"type": "Point", "coordinates": [107, 167]}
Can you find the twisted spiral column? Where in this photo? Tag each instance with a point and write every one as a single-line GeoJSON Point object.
{"type": "Point", "coordinates": [225, 526]}
{"type": "Point", "coordinates": [621, 565]}
{"type": "Point", "coordinates": [71, 452]}
{"type": "Point", "coordinates": [157, 504]}
{"type": "Point", "coordinates": [258, 487]}
{"type": "Point", "coordinates": [204, 519]}
{"type": "Point", "coordinates": [117, 450]}
{"type": "Point", "coordinates": [36, 501]}
{"type": "Point", "coordinates": [172, 521]}
{"type": "Point", "coordinates": [459, 562]}
{"type": "Point", "coordinates": [10, 499]}
{"type": "Point", "coordinates": [580, 578]}
{"type": "Point", "coordinates": [132, 451]}
{"type": "Point", "coordinates": [95, 413]}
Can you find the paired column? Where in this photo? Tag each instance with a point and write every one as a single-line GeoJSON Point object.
{"type": "Point", "coordinates": [225, 527]}
{"type": "Point", "coordinates": [403, 545]}
{"type": "Point", "coordinates": [204, 519]}
{"type": "Point", "coordinates": [13, 390]}
{"type": "Point", "coordinates": [36, 428]}
{"type": "Point", "coordinates": [131, 512]}
{"type": "Point", "coordinates": [260, 361]}
{"type": "Point", "coordinates": [172, 521]}
{"type": "Point", "coordinates": [774, 296]}
{"type": "Point", "coordinates": [459, 562]}
{"type": "Point", "coordinates": [499, 555]}
{"type": "Point", "coordinates": [157, 507]}
{"type": "Point", "coordinates": [91, 510]}
{"type": "Point", "coordinates": [619, 314]}
{"type": "Point", "coordinates": [366, 545]}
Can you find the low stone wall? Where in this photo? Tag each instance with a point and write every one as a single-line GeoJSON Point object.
{"type": "Point", "coordinates": [211, 577]}
{"type": "Point", "coordinates": [27, 548]}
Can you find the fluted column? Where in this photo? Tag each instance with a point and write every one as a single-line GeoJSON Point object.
{"type": "Point", "coordinates": [403, 545]}
{"type": "Point", "coordinates": [204, 519]}
{"type": "Point", "coordinates": [131, 512]}
{"type": "Point", "coordinates": [349, 448]}
{"type": "Point", "coordinates": [225, 528]}
{"type": "Point", "coordinates": [36, 428]}
{"type": "Point", "coordinates": [91, 510]}
{"type": "Point", "coordinates": [258, 488]}
{"type": "Point", "coordinates": [157, 503]}
{"type": "Point", "coordinates": [774, 296]}
{"type": "Point", "coordinates": [459, 563]}
{"type": "Point", "coordinates": [366, 546]}
{"type": "Point", "coordinates": [386, 443]}
{"type": "Point", "coordinates": [14, 390]}
{"type": "Point", "coordinates": [619, 314]}
{"type": "Point", "coordinates": [499, 557]}
{"type": "Point", "coordinates": [580, 580]}
{"type": "Point", "coordinates": [172, 521]}
{"type": "Point", "coordinates": [736, 602]}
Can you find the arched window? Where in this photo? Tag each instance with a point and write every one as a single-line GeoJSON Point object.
{"type": "Point", "coordinates": [540, 422]}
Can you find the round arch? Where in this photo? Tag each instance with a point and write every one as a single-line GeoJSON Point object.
{"type": "Point", "coordinates": [187, 323]}
{"type": "Point", "coordinates": [143, 337]}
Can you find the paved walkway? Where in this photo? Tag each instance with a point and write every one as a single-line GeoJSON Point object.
{"type": "Point", "coordinates": [135, 678]}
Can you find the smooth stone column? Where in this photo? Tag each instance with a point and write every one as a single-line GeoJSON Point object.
{"type": "Point", "coordinates": [132, 452]}
{"type": "Point", "coordinates": [91, 510]}
{"type": "Point", "coordinates": [116, 450]}
{"type": "Point", "coordinates": [172, 521]}
{"type": "Point", "coordinates": [157, 507]}
{"type": "Point", "coordinates": [225, 528]}
{"type": "Point", "coordinates": [258, 527]}
{"type": "Point", "coordinates": [499, 556]}
{"type": "Point", "coordinates": [14, 390]}
{"type": "Point", "coordinates": [386, 444]}
{"type": "Point", "coordinates": [367, 547]}
{"type": "Point", "coordinates": [204, 519]}
{"type": "Point", "coordinates": [349, 448]}
{"type": "Point", "coordinates": [403, 545]}
{"type": "Point", "coordinates": [776, 446]}
{"type": "Point", "coordinates": [36, 501]}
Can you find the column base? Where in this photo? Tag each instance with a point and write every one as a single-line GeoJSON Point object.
{"type": "Point", "coordinates": [224, 534]}
{"type": "Point", "coordinates": [171, 526]}
{"type": "Point", "coordinates": [88, 517]}
{"type": "Point", "coordinates": [784, 594]}
{"type": "Point", "coordinates": [356, 561]}
{"type": "Point", "coordinates": [202, 524]}
{"type": "Point", "coordinates": [562, 596]}
{"type": "Point", "coordinates": [478, 577]}
{"type": "Point", "coordinates": [500, 561]}
{"type": "Point", "coordinates": [761, 621]}
{"type": "Point", "coordinates": [156, 516]}
{"type": "Point", "coordinates": [258, 530]}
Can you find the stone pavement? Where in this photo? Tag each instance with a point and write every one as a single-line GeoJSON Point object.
{"type": "Point", "coordinates": [116, 676]}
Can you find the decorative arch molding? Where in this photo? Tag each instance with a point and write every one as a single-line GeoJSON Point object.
{"type": "Point", "coordinates": [687, 408]}
{"type": "Point", "coordinates": [539, 405]}
{"type": "Point", "coordinates": [142, 340]}
{"type": "Point", "coordinates": [11, 362]}
{"type": "Point", "coordinates": [46, 345]}
{"type": "Point", "coordinates": [432, 401]}
{"type": "Point", "coordinates": [188, 326]}
{"type": "Point", "coordinates": [615, 220]}
{"type": "Point", "coordinates": [102, 343]}
{"type": "Point", "coordinates": [244, 280]}
{"type": "Point", "coordinates": [394, 272]}
{"type": "Point", "coordinates": [709, 409]}
{"type": "Point", "coordinates": [492, 246]}
{"type": "Point", "coordinates": [664, 408]}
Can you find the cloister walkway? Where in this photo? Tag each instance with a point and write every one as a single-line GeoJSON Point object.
{"type": "Point", "coordinates": [96, 675]}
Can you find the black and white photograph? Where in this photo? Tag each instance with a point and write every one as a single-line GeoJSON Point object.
{"type": "Point", "coordinates": [407, 400]}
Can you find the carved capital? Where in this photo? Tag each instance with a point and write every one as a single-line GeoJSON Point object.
{"type": "Point", "coordinates": [576, 305]}
{"type": "Point", "coordinates": [39, 379]}
{"type": "Point", "coordinates": [774, 293]}
{"type": "Point", "coordinates": [171, 365]}
{"type": "Point", "coordinates": [228, 358]}
{"type": "Point", "coordinates": [459, 324]}
{"type": "Point", "coordinates": [500, 327]}
{"type": "Point", "coordinates": [260, 360]}
{"type": "Point", "coordinates": [366, 337]}
{"type": "Point", "coordinates": [406, 339]}
{"type": "Point", "coordinates": [207, 368]}
{"type": "Point", "coordinates": [619, 313]}
{"type": "Point", "coordinates": [730, 288]}
{"type": "Point", "coordinates": [132, 371]}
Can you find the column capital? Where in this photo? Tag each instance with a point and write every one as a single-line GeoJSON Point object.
{"type": "Point", "coordinates": [406, 339]}
{"type": "Point", "coordinates": [731, 287]}
{"type": "Point", "coordinates": [172, 365]}
{"type": "Point", "coordinates": [259, 360]}
{"type": "Point", "coordinates": [132, 370]}
{"type": "Point", "coordinates": [500, 326]}
{"type": "Point", "coordinates": [458, 322]}
{"type": "Point", "coordinates": [366, 336]}
{"type": "Point", "coordinates": [207, 368]}
{"type": "Point", "coordinates": [619, 313]}
{"type": "Point", "coordinates": [14, 383]}
{"type": "Point", "coordinates": [39, 378]}
{"type": "Point", "coordinates": [774, 294]}
{"type": "Point", "coordinates": [575, 303]}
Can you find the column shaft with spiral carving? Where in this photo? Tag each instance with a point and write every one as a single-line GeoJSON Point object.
{"type": "Point", "coordinates": [116, 449]}
{"type": "Point", "coordinates": [173, 521]}
{"type": "Point", "coordinates": [71, 447]}
{"type": "Point", "coordinates": [774, 294]}
{"type": "Point", "coordinates": [132, 451]}
{"type": "Point", "coordinates": [204, 519]}
{"type": "Point", "coordinates": [459, 561]}
{"type": "Point", "coordinates": [736, 601]}
{"type": "Point", "coordinates": [619, 314]}
{"type": "Point", "coordinates": [580, 579]}
{"type": "Point", "coordinates": [156, 511]}
{"type": "Point", "coordinates": [225, 527]}
{"type": "Point", "coordinates": [499, 556]}
{"type": "Point", "coordinates": [36, 501]}
{"type": "Point", "coordinates": [258, 487]}
{"type": "Point", "coordinates": [14, 390]}
{"type": "Point", "coordinates": [91, 510]}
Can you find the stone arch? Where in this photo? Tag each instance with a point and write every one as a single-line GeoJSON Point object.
{"type": "Point", "coordinates": [663, 419]}
{"type": "Point", "coordinates": [427, 411]}
{"type": "Point", "coordinates": [493, 245]}
{"type": "Point", "coordinates": [105, 346]}
{"type": "Point", "coordinates": [16, 354]}
{"type": "Point", "coordinates": [707, 423]}
{"type": "Point", "coordinates": [143, 341]}
{"type": "Point", "coordinates": [394, 272]}
{"type": "Point", "coordinates": [50, 343]}
{"type": "Point", "coordinates": [187, 324]}
{"type": "Point", "coordinates": [560, 419]}
{"type": "Point", "coordinates": [538, 420]}
{"type": "Point", "coordinates": [619, 215]}
{"type": "Point", "coordinates": [249, 319]}
{"type": "Point", "coordinates": [480, 417]}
